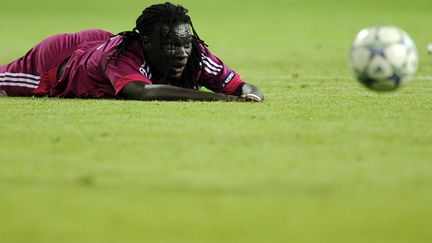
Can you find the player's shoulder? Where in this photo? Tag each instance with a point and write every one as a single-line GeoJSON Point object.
{"type": "Point", "coordinates": [204, 49]}
{"type": "Point", "coordinates": [209, 58]}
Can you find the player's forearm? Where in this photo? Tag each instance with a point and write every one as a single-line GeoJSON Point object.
{"type": "Point", "coordinates": [168, 92]}
{"type": "Point", "coordinates": [139, 91]}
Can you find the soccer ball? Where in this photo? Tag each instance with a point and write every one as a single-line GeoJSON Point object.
{"type": "Point", "coordinates": [383, 57]}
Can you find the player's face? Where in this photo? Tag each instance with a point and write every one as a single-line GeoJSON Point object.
{"type": "Point", "coordinates": [168, 54]}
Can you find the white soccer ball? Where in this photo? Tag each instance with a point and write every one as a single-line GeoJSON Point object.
{"type": "Point", "coordinates": [383, 57]}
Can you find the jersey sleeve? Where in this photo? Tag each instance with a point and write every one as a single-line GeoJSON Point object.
{"type": "Point", "coordinates": [127, 68]}
{"type": "Point", "coordinates": [217, 76]}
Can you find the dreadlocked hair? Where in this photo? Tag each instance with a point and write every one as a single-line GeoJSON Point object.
{"type": "Point", "coordinates": [166, 14]}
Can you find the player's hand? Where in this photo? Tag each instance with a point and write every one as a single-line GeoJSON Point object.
{"type": "Point", "coordinates": [251, 93]}
{"type": "Point", "coordinates": [251, 97]}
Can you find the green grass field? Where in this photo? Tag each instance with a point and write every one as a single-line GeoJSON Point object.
{"type": "Point", "coordinates": [321, 160]}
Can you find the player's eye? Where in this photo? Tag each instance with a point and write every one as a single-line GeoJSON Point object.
{"type": "Point", "coordinates": [188, 45]}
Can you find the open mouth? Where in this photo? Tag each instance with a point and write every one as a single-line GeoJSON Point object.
{"type": "Point", "coordinates": [177, 69]}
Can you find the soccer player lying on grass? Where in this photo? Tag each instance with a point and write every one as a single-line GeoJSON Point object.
{"type": "Point", "coordinates": [162, 58]}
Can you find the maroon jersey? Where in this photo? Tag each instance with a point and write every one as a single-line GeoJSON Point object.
{"type": "Point", "coordinates": [92, 71]}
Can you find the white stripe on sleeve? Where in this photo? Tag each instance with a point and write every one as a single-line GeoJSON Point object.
{"type": "Point", "coordinates": [210, 71]}
{"type": "Point", "coordinates": [18, 85]}
{"type": "Point", "coordinates": [211, 67]}
{"type": "Point", "coordinates": [212, 62]}
{"type": "Point", "coordinates": [23, 80]}
{"type": "Point", "coordinates": [22, 75]}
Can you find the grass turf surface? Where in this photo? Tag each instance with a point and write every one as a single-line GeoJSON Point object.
{"type": "Point", "coordinates": [322, 160]}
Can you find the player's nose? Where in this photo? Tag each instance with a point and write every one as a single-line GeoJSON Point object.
{"type": "Point", "coordinates": [182, 53]}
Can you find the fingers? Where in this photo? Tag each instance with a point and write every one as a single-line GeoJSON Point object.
{"type": "Point", "coordinates": [251, 97]}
